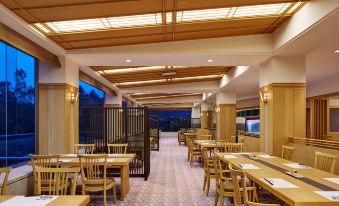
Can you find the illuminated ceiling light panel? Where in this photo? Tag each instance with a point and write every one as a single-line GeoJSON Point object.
{"type": "Point", "coordinates": [100, 23]}
{"type": "Point", "coordinates": [141, 82]}
{"type": "Point", "coordinates": [238, 12]}
{"type": "Point", "coordinates": [159, 97]}
{"type": "Point", "coordinates": [196, 77]}
{"type": "Point", "coordinates": [202, 15]}
{"type": "Point", "coordinates": [137, 69]}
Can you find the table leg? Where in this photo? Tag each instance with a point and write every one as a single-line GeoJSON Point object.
{"type": "Point", "coordinates": [124, 178]}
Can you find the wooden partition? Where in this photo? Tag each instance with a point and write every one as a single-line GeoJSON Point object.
{"type": "Point", "coordinates": [318, 118]}
{"type": "Point", "coordinates": [305, 150]}
{"type": "Point", "coordinates": [251, 143]}
{"type": "Point", "coordinates": [121, 125]}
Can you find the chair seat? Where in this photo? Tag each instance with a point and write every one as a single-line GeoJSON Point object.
{"type": "Point", "coordinates": [98, 185]}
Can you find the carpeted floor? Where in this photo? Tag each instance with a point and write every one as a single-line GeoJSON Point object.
{"type": "Point", "coordinates": [171, 182]}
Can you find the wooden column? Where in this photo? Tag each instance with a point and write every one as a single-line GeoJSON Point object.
{"type": "Point", "coordinates": [203, 119]}
{"type": "Point", "coordinates": [282, 116]}
{"type": "Point", "coordinates": [58, 118]}
{"type": "Point", "coordinates": [226, 121]}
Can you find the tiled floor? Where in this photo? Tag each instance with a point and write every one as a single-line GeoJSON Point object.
{"type": "Point", "coordinates": [171, 182]}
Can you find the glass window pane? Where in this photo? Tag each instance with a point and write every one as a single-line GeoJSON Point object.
{"type": "Point", "coordinates": [3, 97]}
{"type": "Point", "coordinates": [20, 69]}
{"type": "Point", "coordinates": [89, 97]}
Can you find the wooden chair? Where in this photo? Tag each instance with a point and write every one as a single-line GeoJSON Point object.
{"type": "Point", "coordinates": [194, 152]}
{"type": "Point", "coordinates": [233, 139]}
{"type": "Point", "coordinates": [182, 139]}
{"type": "Point", "coordinates": [205, 137]}
{"type": "Point", "coordinates": [4, 171]}
{"type": "Point", "coordinates": [84, 148]}
{"type": "Point", "coordinates": [241, 188]}
{"type": "Point", "coordinates": [209, 172]}
{"type": "Point", "coordinates": [220, 145]}
{"type": "Point", "coordinates": [44, 161]}
{"type": "Point", "coordinates": [324, 161]}
{"type": "Point", "coordinates": [117, 148]}
{"type": "Point", "coordinates": [224, 187]}
{"type": "Point", "coordinates": [241, 140]}
{"type": "Point", "coordinates": [60, 179]}
{"type": "Point", "coordinates": [94, 175]}
{"type": "Point", "coordinates": [287, 152]}
{"type": "Point", "coordinates": [234, 147]}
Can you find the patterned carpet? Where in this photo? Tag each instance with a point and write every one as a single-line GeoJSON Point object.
{"type": "Point", "coordinates": [171, 182]}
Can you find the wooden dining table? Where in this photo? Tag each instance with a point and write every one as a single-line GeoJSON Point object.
{"type": "Point", "coordinates": [74, 200]}
{"type": "Point", "coordinates": [266, 171]}
{"type": "Point", "coordinates": [208, 144]}
{"type": "Point", "coordinates": [120, 161]}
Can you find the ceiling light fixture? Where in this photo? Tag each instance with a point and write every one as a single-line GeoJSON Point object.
{"type": "Point", "coordinates": [128, 60]}
{"type": "Point", "coordinates": [336, 51]}
{"type": "Point", "coordinates": [210, 60]}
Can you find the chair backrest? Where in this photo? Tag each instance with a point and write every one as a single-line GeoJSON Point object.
{"type": "Point", "coordinates": [238, 177]}
{"type": "Point", "coordinates": [93, 167]}
{"type": "Point", "coordinates": [117, 148]}
{"type": "Point", "coordinates": [45, 161]}
{"type": "Point", "coordinates": [221, 175]}
{"type": "Point", "coordinates": [287, 152]}
{"type": "Point", "coordinates": [220, 145]}
{"type": "Point", "coordinates": [204, 153]}
{"type": "Point", "coordinates": [205, 137]}
{"type": "Point", "coordinates": [4, 171]}
{"type": "Point", "coordinates": [84, 148]}
{"type": "Point", "coordinates": [190, 145]}
{"type": "Point", "coordinates": [324, 161]}
{"type": "Point", "coordinates": [59, 181]}
{"type": "Point", "coordinates": [234, 147]}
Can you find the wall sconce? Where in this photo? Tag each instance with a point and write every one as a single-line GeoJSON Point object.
{"type": "Point", "coordinates": [264, 97]}
{"type": "Point", "coordinates": [201, 114]}
{"type": "Point", "coordinates": [74, 96]}
{"type": "Point", "coordinates": [217, 109]}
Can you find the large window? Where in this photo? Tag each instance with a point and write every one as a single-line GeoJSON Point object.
{"type": "Point", "coordinates": [89, 97]}
{"type": "Point", "coordinates": [173, 120]}
{"type": "Point", "coordinates": [17, 105]}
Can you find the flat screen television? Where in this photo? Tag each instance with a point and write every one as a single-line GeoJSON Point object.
{"type": "Point", "coordinates": [252, 126]}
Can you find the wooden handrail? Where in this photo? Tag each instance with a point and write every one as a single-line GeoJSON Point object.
{"type": "Point", "coordinates": [315, 142]}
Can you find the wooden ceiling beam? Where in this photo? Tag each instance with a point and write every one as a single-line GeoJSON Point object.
{"type": "Point", "coordinates": [62, 10]}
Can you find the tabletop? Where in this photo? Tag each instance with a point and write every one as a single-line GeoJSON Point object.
{"type": "Point", "coordinates": [311, 187]}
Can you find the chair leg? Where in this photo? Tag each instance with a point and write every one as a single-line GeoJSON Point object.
{"type": "Point", "coordinates": [104, 196]}
{"type": "Point", "coordinates": [221, 199]}
{"type": "Point", "coordinates": [216, 198]}
{"type": "Point", "coordinates": [191, 160]}
{"type": "Point", "coordinates": [208, 185]}
{"type": "Point", "coordinates": [205, 179]}
{"type": "Point", "coordinates": [115, 194]}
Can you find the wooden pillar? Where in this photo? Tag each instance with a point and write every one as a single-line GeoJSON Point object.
{"type": "Point", "coordinates": [58, 118]}
{"type": "Point", "coordinates": [283, 102]}
{"type": "Point", "coordinates": [226, 121]}
{"type": "Point", "coordinates": [58, 122]}
{"type": "Point", "coordinates": [226, 115]}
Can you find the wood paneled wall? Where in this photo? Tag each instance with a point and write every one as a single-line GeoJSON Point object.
{"type": "Point", "coordinates": [318, 118]}
{"type": "Point", "coordinates": [282, 116]}
{"type": "Point", "coordinates": [226, 121]}
{"type": "Point", "coordinates": [58, 119]}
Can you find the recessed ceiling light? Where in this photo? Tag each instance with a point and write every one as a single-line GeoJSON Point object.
{"type": "Point", "coordinates": [210, 60]}
{"type": "Point", "coordinates": [128, 60]}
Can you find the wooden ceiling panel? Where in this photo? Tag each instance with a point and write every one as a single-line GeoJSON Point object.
{"type": "Point", "coordinates": [40, 11]}
{"type": "Point", "coordinates": [157, 96]}
{"type": "Point", "coordinates": [61, 10]}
